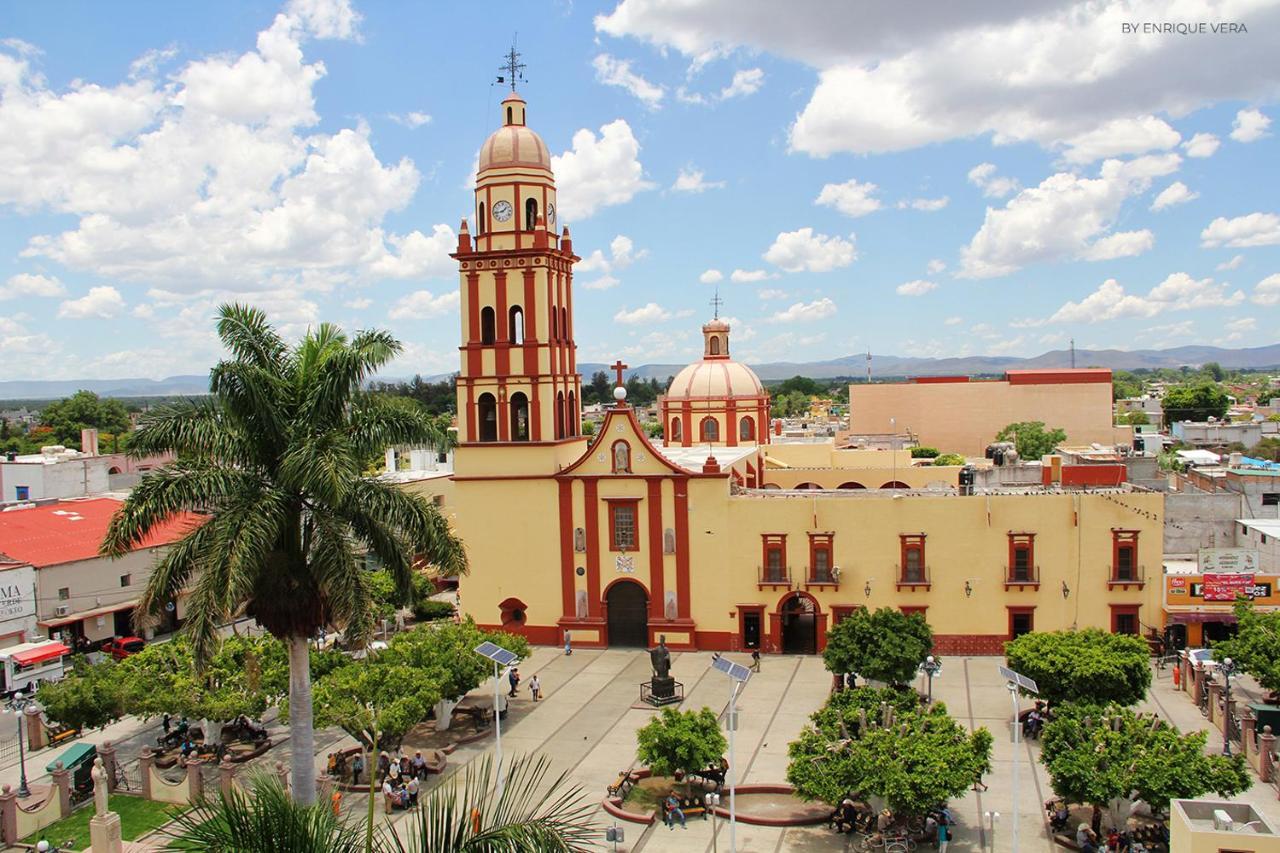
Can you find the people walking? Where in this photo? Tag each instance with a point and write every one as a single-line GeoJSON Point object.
{"type": "Point", "coordinates": [514, 678]}
{"type": "Point", "coordinates": [357, 767]}
{"type": "Point", "coordinates": [535, 688]}
{"type": "Point", "coordinates": [568, 647]}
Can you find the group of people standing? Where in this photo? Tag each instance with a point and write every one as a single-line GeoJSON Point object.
{"type": "Point", "coordinates": [513, 679]}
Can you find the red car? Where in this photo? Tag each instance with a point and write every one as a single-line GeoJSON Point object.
{"type": "Point", "coordinates": [122, 647]}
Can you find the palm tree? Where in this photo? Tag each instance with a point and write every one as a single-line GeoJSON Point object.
{"type": "Point", "coordinates": [456, 817]}
{"type": "Point", "coordinates": [273, 458]}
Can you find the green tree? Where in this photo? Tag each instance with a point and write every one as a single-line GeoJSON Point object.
{"type": "Point", "coordinates": [274, 457]}
{"type": "Point", "coordinates": [924, 453]}
{"type": "Point", "coordinates": [1213, 370]}
{"type": "Point", "coordinates": [588, 428]}
{"type": "Point", "coordinates": [886, 645]}
{"type": "Point", "coordinates": [1268, 448]}
{"type": "Point", "coordinates": [917, 759]}
{"type": "Point", "coordinates": [802, 384]}
{"type": "Point", "coordinates": [599, 390]}
{"type": "Point", "coordinates": [1031, 439]}
{"type": "Point", "coordinates": [1136, 418]}
{"type": "Point", "coordinates": [1083, 666]}
{"type": "Point", "coordinates": [1125, 385]}
{"type": "Point", "coordinates": [89, 696]}
{"type": "Point", "coordinates": [1194, 403]}
{"type": "Point", "coordinates": [1256, 646]}
{"type": "Point", "coordinates": [790, 404]}
{"type": "Point", "coordinates": [1105, 755]}
{"type": "Point", "coordinates": [84, 410]}
{"type": "Point", "coordinates": [685, 741]}
{"type": "Point", "coordinates": [949, 459]}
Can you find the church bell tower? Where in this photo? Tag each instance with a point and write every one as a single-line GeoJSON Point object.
{"type": "Point", "coordinates": [519, 381]}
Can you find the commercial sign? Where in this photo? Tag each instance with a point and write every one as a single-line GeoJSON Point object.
{"type": "Point", "coordinates": [17, 594]}
{"type": "Point", "coordinates": [1228, 560]}
{"type": "Point", "coordinates": [1227, 587]}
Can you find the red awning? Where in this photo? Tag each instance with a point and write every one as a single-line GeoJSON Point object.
{"type": "Point", "coordinates": [1189, 618]}
{"type": "Point", "coordinates": [27, 657]}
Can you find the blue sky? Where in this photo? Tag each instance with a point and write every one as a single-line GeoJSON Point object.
{"type": "Point", "coordinates": [990, 180]}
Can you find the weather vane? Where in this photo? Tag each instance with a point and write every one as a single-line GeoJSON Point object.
{"type": "Point", "coordinates": [513, 67]}
{"type": "Point", "coordinates": [716, 302]}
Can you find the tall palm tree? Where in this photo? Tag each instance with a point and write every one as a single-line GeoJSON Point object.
{"type": "Point", "coordinates": [274, 457]}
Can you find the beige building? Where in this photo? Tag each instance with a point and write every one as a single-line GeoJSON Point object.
{"type": "Point", "coordinates": [1214, 826]}
{"type": "Point", "coordinates": [958, 415]}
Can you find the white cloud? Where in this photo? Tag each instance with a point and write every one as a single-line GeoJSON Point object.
{"type": "Point", "coordinates": [1065, 216]}
{"type": "Point", "coordinates": [1178, 292]}
{"type": "Point", "coordinates": [100, 302]}
{"type": "Point", "coordinates": [358, 304]}
{"type": "Point", "coordinates": [745, 82]}
{"type": "Point", "coordinates": [767, 293]}
{"type": "Point", "coordinates": [953, 321]}
{"type": "Point", "coordinates": [802, 249]}
{"type": "Point", "coordinates": [604, 282]}
{"type": "Point", "coordinates": [1255, 229]}
{"type": "Point", "coordinates": [650, 313]}
{"type": "Point", "coordinates": [935, 266]}
{"type": "Point", "coordinates": [1267, 291]}
{"type": "Point", "coordinates": [1237, 329]}
{"type": "Point", "coordinates": [928, 205]}
{"type": "Point", "coordinates": [411, 120]}
{"type": "Point", "coordinates": [617, 72]}
{"type": "Point", "coordinates": [31, 284]}
{"type": "Point", "coordinates": [690, 180]}
{"type": "Point", "coordinates": [1121, 136]}
{"type": "Point", "coordinates": [622, 254]}
{"type": "Point", "coordinates": [1044, 71]}
{"type": "Point", "coordinates": [1250, 126]}
{"type": "Point", "coordinates": [919, 287]}
{"type": "Point", "coordinates": [984, 176]}
{"type": "Point", "coordinates": [1201, 145]}
{"type": "Point", "coordinates": [746, 276]}
{"type": "Point", "coordinates": [850, 198]}
{"type": "Point", "coordinates": [1233, 264]}
{"type": "Point", "coordinates": [819, 309]}
{"type": "Point", "coordinates": [417, 255]}
{"type": "Point", "coordinates": [423, 305]}
{"type": "Point", "coordinates": [599, 171]}
{"type": "Point", "coordinates": [1175, 193]}
{"type": "Point", "coordinates": [325, 19]}
{"type": "Point", "coordinates": [711, 277]}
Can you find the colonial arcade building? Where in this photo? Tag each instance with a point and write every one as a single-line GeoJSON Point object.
{"type": "Point", "coordinates": [614, 539]}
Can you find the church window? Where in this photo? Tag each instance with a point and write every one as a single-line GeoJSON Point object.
{"type": "Point", "coordinates": [572, 423]}
{"type": "Point", "coordinates": [530, 214]}
{"type": "Point", "coordinates": [515, 325]}
{"type": "Point", "coordinates": [746, 429]}
{"type": "Point", "coordinates": [519, 406]}
{"type": "Point", "coordinates": [715, 345]}
{"type": "Point", "coordinates": [560, 414]}
{"type": "Point", "coordinates": [774, 568]}
{"type": "Point", "coordinates": [509, 119]}
{"type": "Point", "coordinates": [913, 568]}
{"type": "Point", "coordinates": [622, 525]}
{"type": "Point", "coordinates": [564, 324]}
{"type": "Point", "coordinates": [488, 326]}
{"type": "Point", "coordinates": [621, 457]}
{"type": "Point", "coordinates": [675, 429]}
{"type": "Point", "coordinates": [480, 221]}
{"type": "Point", "coordinates": [555, 325]}
{"type": "Point", "coordinates": [487, 413]}
{"type": "Point", "coordinates": [710, 429]}
{"type": "Point", "coordinates": [821, 561]}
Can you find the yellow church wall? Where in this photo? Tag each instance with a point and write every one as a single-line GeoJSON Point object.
{"type": "Point", "coordinates": [825, 455]}
{"type": "Point", "coordinates": [515, 459]}
{"type": "Point", "coordinates": [918, 477]}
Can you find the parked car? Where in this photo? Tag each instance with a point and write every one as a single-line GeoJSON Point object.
{"type": "Point", "coordinates": [122, 647]}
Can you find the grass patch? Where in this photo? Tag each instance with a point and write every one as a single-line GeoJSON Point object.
{"type": "Point", "coordinates": [647, 794]}
{"type": "Point", "coordinates": [137, 818]}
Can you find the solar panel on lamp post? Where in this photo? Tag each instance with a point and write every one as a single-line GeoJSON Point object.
{"type": "Point", "coordinates": [501, 658]}
{"type": "Point", "coordinates": [738, 675]}
{"type": "Point", "coordinates": [1016, 681]}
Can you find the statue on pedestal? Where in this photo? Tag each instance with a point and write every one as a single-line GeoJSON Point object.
{"type": "Point", "coordinates": [104, 826]}
{"type": "Point", "coordinates": [662, 687]}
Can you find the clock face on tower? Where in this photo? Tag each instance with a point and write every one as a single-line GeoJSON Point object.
{"type": "Point", "coordinates": [551, 214]}
{"type": "Point", "coordinates": [502, 211]}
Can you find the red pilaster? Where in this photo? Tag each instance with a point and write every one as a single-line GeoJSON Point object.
{"type": "Point", "coordinates": [502, 352]}
{"type": "Point", "coordinates": [474, 362]}
{"type": "Point", "coordinates": [566, 549]}
{"type": "Point", "coordinates": [504, 415]}
{"type": "Point", "coordinates": [686, 415]}
{"type": "Point", "coordinates": [656, 584]}
{"type": "Point", "coordinates": [471, 410]}
{"type": "Point", "coordinates": [682, 546]}
{"type": "Point", "coordinates": [591, 517]}
{"type": "Point", "coordinates": [535, 412]}
{"type": "Point", "coordinates": [731, 423]}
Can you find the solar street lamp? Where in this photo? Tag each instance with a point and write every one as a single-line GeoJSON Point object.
{"type": "Point", "coordinates": [501, 658]}
{"type": "Point", "coordinates": [738, 675]}
{"type": "Point", "coordinates": [1015, 682]}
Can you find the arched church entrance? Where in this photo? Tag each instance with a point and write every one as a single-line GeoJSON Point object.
{"type": "Point", "coordinates": [627, 605]}
{"type": "Point", "coordinates": [799, 625]}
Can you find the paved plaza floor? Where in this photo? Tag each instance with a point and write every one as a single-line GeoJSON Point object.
{"type": "Point", "coordinates": [586, 725]}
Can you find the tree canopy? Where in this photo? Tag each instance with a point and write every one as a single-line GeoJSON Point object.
{"type": "Point", "coordinates": [1083, 666]}
{"type": "Point", "coordinates": [1256, 646]}
{"type": "Point", "coordinates": [789, 404]}
{"type": "Point", "coordinates": [885, 645]}
{"type": "Point", "coordinates": [1099, 754]}
{"type": "Point", "coordinates": [88, 696]}
{"type": "Point", "coordinates": [84, 410]}
{"type": "Point", "coordinates": [948, 459]}
{"type": "Point", "coordinates": [1032, 439]}
{"type": "Point", "coordinates": [912, 757]}
{"type": "Point", "coordinates": [687, 741]}
{"type": "Point", "coordinates": [1197, 402]}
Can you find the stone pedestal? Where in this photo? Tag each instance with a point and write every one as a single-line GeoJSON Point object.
{"type": "Point", "coordinates": [663, 689]}
{"type": "Point", "coordinates": [104, 833]}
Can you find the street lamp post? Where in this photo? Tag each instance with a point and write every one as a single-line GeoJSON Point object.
{"type": "Point", "coordinates": [501, 658]}
{"type": "Point", "coordinates": [712, 802]}
{"type": "Point", "coordinates": [932, 666]}
{"type": "Point", "coordinates": [1228, 669]}
{"type": "Point", "coordinates": [19, 704]}
{"type": "Point", "coordinates": [738, 675]}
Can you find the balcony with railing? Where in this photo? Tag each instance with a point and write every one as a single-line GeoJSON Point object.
{"type": "Point", "coordinates": [774, 577]}
{"type": "Point", "coordinates": [1126, 575]}
{"type": "Point", "coordinates": [912, 577]}
{"type": "Point", "coordinates": [824, 578]}
{"type": "Point", "coordinates": [1026, 576]}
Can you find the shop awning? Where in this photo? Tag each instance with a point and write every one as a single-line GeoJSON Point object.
{"type": "Point", "coordinates": [1197, 618]}
{"type": "Point", "coordinates": [40, 654]}
{"type": "Point", "coordinates": [59, 621]}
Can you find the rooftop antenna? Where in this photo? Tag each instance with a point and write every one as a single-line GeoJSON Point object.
{"type": "Point", "coordinates": [1073, 353]}
{"type": "Point", "coordinates": [512, 68]}
{"type": "Point", "coordinates": [716, 302]}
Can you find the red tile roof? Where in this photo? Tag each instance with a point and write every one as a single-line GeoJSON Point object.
{"type": "Point", "coordinates": [72, 530]}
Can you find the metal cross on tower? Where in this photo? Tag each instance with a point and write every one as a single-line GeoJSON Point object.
{"type": "Point", "coordinates": [716, 302]}
{"type": "Point", "coordinates": [618, 366]}
{"type": "Point", "coordinates": [513, 67]}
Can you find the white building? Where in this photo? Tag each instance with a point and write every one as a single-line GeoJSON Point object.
{"type": "Point", "coordinates": [1262, 535]}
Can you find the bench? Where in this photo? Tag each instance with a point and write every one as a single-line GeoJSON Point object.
{"type": "Point", "coordinates": [623, 784]}
{"type": "Point", "coordinates": [690, 807]}
{"type": "Point", "coordinates": [57, 734]}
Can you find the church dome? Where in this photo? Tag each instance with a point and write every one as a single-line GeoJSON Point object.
{"type": "Point", "coordinates": [514, 145]}
{"type": "Point", "coordinates": [716, 375]}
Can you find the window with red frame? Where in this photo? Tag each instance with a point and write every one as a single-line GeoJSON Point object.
{"type": "Point", "coordinates": [1124, 564]}
{"type": "Point", "coordinates": [840, 611]}
{"type": "Point", "coordinates": [922, 612]}
{"type": "Point", "coordinates": [623, 525]}
{"type": "Point", "coordinates": [821, 557]}
{"type": "Point", "coordinates": [1124, 619]}
{"type": "Point", "coordinates": [775, 558]}
{"type": "Point", "coordinates": [1022, 564]}
{"type": "Point", "coordinates": [1022, 620]}
{"type": "Point", "coordinates": [913, 565]}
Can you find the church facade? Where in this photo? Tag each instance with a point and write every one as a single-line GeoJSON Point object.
{"type": "Point", "coordinates": [704, 537]}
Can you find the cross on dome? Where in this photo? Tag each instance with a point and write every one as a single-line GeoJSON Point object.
{"type": "Point", "coordinates": [716, 302]}
{"type": "Point", "coordinates": [513, 67]}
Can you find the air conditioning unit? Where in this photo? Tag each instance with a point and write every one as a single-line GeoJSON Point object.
{"type": "Point", "coordinates": [62, 610]}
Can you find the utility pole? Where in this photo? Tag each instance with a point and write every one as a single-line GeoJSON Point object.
{"type": "Point", "coordinates": [1073, 353]}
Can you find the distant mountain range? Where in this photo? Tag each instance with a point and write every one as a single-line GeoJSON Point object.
{"type": "Point", "coordinates": [854, 366]}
